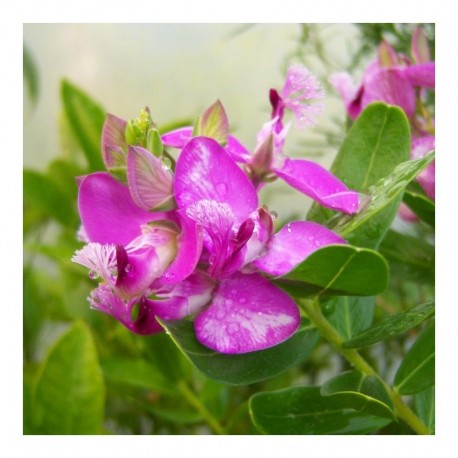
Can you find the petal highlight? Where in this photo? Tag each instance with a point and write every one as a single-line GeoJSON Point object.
{"type": "Point", "coordinates": [321, 185]}
{"type": "Point", "coordinates": [247, 314]}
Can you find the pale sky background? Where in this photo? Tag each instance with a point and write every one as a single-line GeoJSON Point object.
{"type": "Point", "coordinates": [177, 70]}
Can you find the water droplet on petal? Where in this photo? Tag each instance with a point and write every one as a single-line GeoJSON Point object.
{"type": "Point", "coordinates": [128, 268]}
{"type": "Point", "coordinates": [93, 275]}
{"type": "Point", "coordinates": [220, 314]}
{"type": "Point", "coordinates": [221, 189]}
{"type": "Point", "coordinates": [288, 228]}
{"type": "Point", "coordinates": [166, 163]}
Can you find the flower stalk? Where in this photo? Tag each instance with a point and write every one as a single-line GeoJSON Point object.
{"type": "Point", "coordinates": [195, 402]}
{"type": "Point", "coordinates": [313, 310]}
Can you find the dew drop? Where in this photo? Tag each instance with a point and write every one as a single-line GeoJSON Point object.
{"type": "Point", "coordinates": [166, 163]}
{"type": "Point", "coordinates": [93, 275]}
{"type": "Point", "coordinates": [220, 314]}
{"type": "Point", "coordinates": [128, 268]}
{"type": "Point", "coordinates": [221, 188]}
{"type": "Point", "coordinates": [288, 228]}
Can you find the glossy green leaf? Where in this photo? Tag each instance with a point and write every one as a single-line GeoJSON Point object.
{"type": "Point", "coordinates": [86, 118]}
{"type": "Point", "coordinates": [392, 325]}
{"type": "Point", "coordinates": [338, 270]}
{"type": "Point", "coordinates": [377, 142]}
{"type": "Point", "coordinates": [70, 393]}
{"type": "Point", "coordinates": [303, 410]}
{"type": "Point", "coordinates": [417, 370]}
{"type": "Point", "coordinates": [245, 368]}
{"type": "Point", "coordinates": [135, 372]}
{"type": "Point", "coordinates": [410, 258]}
{"type": "Point", "coordinates": [424, 402]}
{"type": "Point", "coordinates": [369, 226]}
{"type": "Point", "coordinates": [360, 392]}
{"type": "Point", "coordinates": [350, 315]}
{"type": "Point", "coordinates": [423, 207]}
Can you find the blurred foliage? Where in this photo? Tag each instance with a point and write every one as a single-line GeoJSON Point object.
{"type": "Point", "coordinates": [84, 373]}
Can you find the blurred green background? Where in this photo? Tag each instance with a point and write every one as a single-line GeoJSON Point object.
{"type": "Point", "coordinates": [83, 372]}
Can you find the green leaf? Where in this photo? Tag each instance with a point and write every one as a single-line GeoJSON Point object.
{"type": "Point", "coordinates": [86, 119]}
{"type": "Point", "coordinates": [245, 368]}
{"type": "Point", "coordinates": [303, 410]}
{"type": "Point", "coordinates": [377, 142]}
{"type": "Point", "coordinates": [42, 192]}
{"type": "Point", "coordinates": [135, 372]}
{"type": "Point", "coordinates": [424, 403]}
{"type": "Point", "coordinates": [392, 325]}
{"type": "Point", "coordinates": [70, 393]}
{"type": "Point", "coordinates": [369, 226]}
{"type": "Point", "coordinates": [410, 258]}
{"type": "Point", "coordinates": [338, 270]}
{"type": "Point", "coordinates": [417, 370]}
{"type": "Point", "coordinates": [350, 315]}
{"type": "Point", "coordinates": [360, 392]}
{"type": "Point", "coordinates": [422, 206]}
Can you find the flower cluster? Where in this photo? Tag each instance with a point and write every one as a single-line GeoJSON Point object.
{"type": "Point", "coordinates": [189, 238]}
{"type": "Point", "coordinates": [402, 81]}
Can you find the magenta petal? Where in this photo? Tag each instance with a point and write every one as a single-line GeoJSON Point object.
{"type": "Point", "coordinates": [205, 171]}
{"type": "Point", "coordinates": [247, 313]}
{"type": "Point", "coordinates": [105, 300]}
{"type": "Point", "coordinates": [113, 141]}
{"type": "Point", "coordinates": [143, 267]}
{"type": "Point", "coordinates": [236, 150]}
{"type": "Point", "coordinates": [177, 138]}
{"type": "Point", "coordinates": [150, 185]}
{"type": "Point", "coordinates": [107, 211]}
{"type": "Point", "coordinates": [390, 85]}
{"type": "Point", "coordinates": [321, 185]}
{"type": "Point", "coordinates": [292, 244]}
{"type": "Point", "coordinates": [189, 248]}
{"type": "Point", "coordinates": [420, 147]}
{"type": "Point", "coordinates": [196, 291]}
{"type": "Point", "coordinates": [422, 75]}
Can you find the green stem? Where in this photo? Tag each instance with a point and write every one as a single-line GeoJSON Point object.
{"type": "Point", "coordinates": [313, 310]}
{"type": "Point", "coordinates": [194, 401]}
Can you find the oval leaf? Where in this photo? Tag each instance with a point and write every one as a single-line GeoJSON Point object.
{"type": "Point", "coordinates": [392, 325]}
{"type": "Point", "coordinates": [303, 410]}
{"type": "Point", "coordinates": [424, 402]}
{"type": "Point", "coordinates": [135, 372]}
{"type": "Point", "coordinates": [410, 258]}
{"type": "Point", "coordinates": [86, 119]}
{"type": "Point", "coordinates": [369, 226]}
{"type": "Point", "coordinates": [423, 207]}
{"type": "Point", "coordinates": [244, 368]}
{"type": "Point", "coordinates": [70, 393]}
{"type": "Point", "coordinates": [377, 142]}
{"type": "Point", "coordinates": [361, 392]}
{"type": "Point", "coordinates": [338, 270]}
{"type": "Point", "coordinates": [350, 315]}
{"type": "Point", "coordinates": [417, 370]}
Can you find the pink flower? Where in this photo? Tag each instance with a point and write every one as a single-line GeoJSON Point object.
{"type": "Point", "coordinates": [390, 78]}
{"type": "Point", "coordinates": [246, 312]}
{"type": "Point", "coordinates": [134, 252]}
